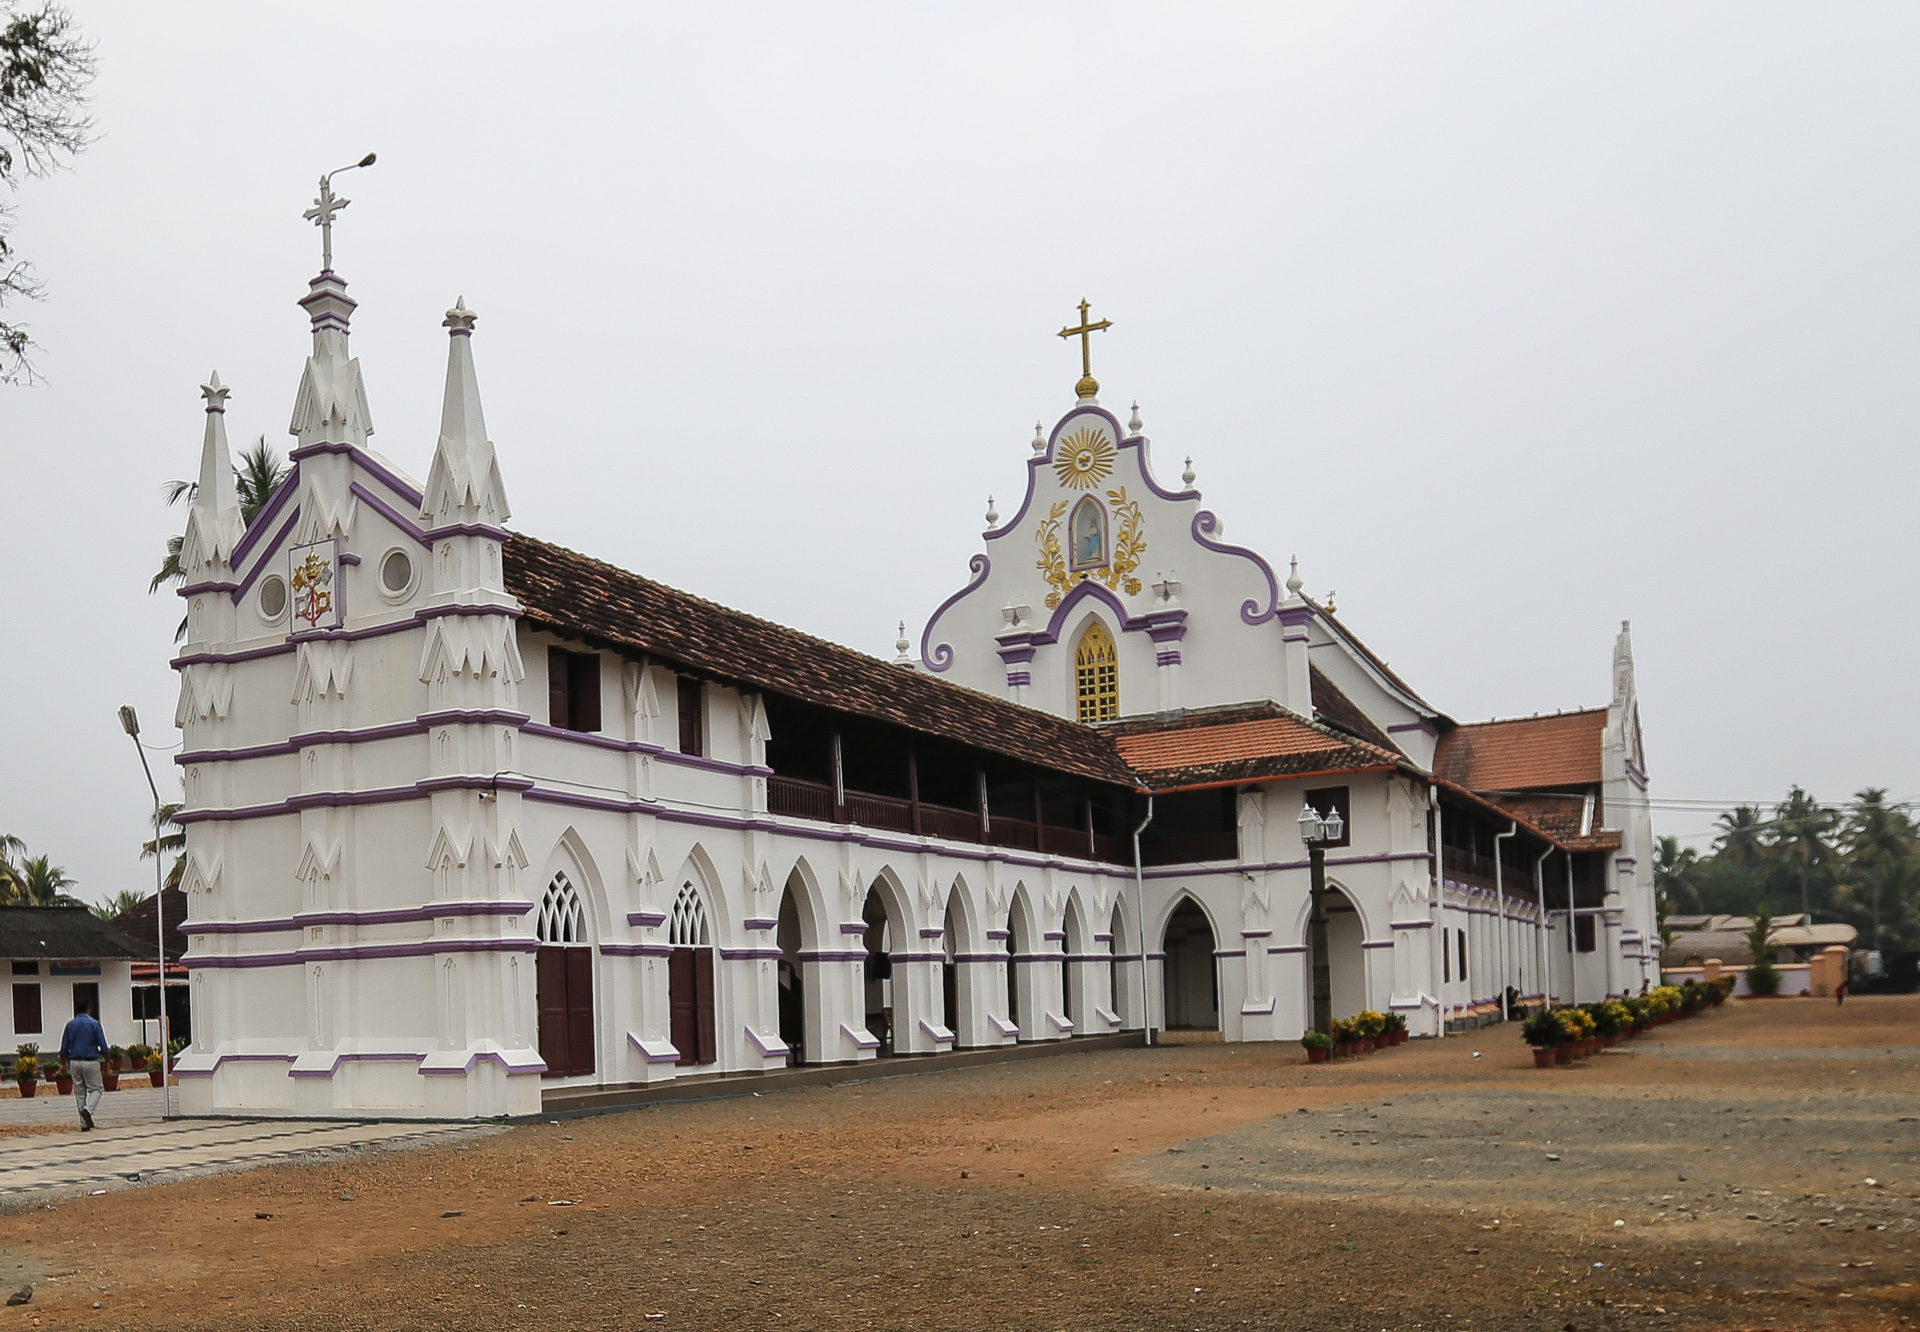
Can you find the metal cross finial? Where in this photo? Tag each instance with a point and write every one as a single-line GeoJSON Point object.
{"type": "Point", "coordinates": [326, 205]}
{"type": "Point", "coordinates": [1088, 385]}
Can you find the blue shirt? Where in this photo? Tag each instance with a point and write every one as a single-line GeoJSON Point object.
{"type": "Point", "coordinates": [84, 1038]}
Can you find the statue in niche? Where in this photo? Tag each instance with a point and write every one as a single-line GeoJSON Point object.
{"type": "Point", "coordinates": [1089, 534]}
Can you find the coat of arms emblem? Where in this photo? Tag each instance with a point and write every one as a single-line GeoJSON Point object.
{"type": "Point", "coordinates": [313, 576]}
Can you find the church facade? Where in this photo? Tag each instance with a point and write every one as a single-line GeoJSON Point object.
{"type": "Point", "coordinates": [475, 821]}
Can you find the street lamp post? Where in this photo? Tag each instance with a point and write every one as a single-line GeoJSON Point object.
{"type": "Point", "coordinates": [130, 723]}
{"type": "Point", "coordinates": [1316, 831]}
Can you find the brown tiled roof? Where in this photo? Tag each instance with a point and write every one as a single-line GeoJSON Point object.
{"type": "Point", "coordinates": [1543, 818]}
{"type": "Point", "coordinates": [1524, 753]}
{"type": "Point", "coordinates": [581, 597]}
{"type": "Point", "coordinates": [1243, 743]}
{"type": "Point", "coordinates": [1334, 708]}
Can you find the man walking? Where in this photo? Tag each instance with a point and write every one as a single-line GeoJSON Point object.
{"type": "Point", "coordinates": [82, 1046]}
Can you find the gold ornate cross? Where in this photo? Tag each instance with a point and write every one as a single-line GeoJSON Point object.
{"type": "Point", "coordinates": [1088, 385]}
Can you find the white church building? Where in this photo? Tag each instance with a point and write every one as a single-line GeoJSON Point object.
{"type": "Point", "coordinates": [475, 823]}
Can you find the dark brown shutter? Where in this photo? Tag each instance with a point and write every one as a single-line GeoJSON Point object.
{"type": "Point", "coordinates": [1446, 954]}
{"type": "Point", "coordinates": [26, 1010]}
{"type": "Point", "coordinates": [685, 1025]}
{"type": "Point", "coordinates": [703, 1003]}
{"type": "Point", "coordinates": [580, 1008]}
{"type": "Point", "coordinates": [692, 741]}
{"type": "Point", "coordinates": [1583, 933]}
{"type": "Point", "coordinates": [550, 972]}
{"type": "Point", "coordinates": [583, 687]}
{"type": "Point", "coordinates": [559, 710]}
{"type": "Point", "coordinates": [84, 995]}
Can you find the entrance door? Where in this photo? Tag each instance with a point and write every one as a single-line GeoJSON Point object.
{"type": "Point", "coordinates": [563, 974]}
{"type": "Point", "coordinates": [1192, 979]}
{"type": "Point", "coordinates": [690, 979]}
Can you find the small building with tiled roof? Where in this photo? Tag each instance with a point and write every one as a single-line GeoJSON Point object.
{"type": "Point", "coordinates": [64, 959]}
{"type": "Point", "coordinates": [479, 825]}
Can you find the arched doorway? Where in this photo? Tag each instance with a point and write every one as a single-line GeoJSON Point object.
{"type": "Point", "coordinates": [1346, 959]}
{"type": "Point", "coordinates": [1190, 976]}
{"type": "Point", "coordinates": [878, 973]}
{"type": "Point", "coordinates": [950, 970]}
{"type": "Point", "coordinates": [1023, 996]}
{"type": "Point", "coordinates": [690, 978]}
{"type": "Point", "coordinates": [563, 971]}
{"type": "Point", "coordinates": [1077, 996]}
{"type": "Point", "coordinates": [791, 978]}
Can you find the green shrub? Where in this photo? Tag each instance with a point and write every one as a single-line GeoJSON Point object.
{"type": "Point", "coordinates": [1543, 1030]}
{"type": "Point", "coordinates": [1316, 1040]}
{"type": "Point", "coordinates": [1762, 978]}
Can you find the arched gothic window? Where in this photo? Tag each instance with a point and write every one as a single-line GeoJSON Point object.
{"type": "Point", "coordinates": [562, 919]}
{"type": "Point", "coordinates": [1089, 529]}
{"type": "Point", "coordinates": [687, 926]}
{"type": "Point", "coordinates": [1096, 675]}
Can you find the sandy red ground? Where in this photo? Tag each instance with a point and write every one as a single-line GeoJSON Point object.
{"type": "Point", "coordinates": [1043, 1195]}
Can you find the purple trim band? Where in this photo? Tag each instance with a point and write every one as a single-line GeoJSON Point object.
{"type": "Point", "coordinates": [261, 520]}
{"type": "Point", "coordinates": [940, 658]}
{"type": "Point", "coordinates": [1053, 934]}
{"type": "Point", "coordinates": [648, 1055]}
{"type": "Point", "coordinates": [981, 957]}
{"type": "Point", "coordinates": [1377, 943]}
{"type": "Point", "coordinates": [1284, 865]}
{"type": "Point", "coordinates": [240, 592]}
{"type": "Point", "coordinates": [340, 1059]}
{"type": "Point", "coordinates": [425, 722]}
{"type": "Point", "coordinates": [362, 952]}
{"type": "Point", "coordinates": [649, 919]}
{"type": "Point", "coordinates": [192, 589]}
{"type": "Point", "coordinates": [434, 911]}
{"type": "Point", "coordinates": [999, 934]}
{"type": "Point", "coordinates": [917, 957]}
{"type": "Point", "coordinates": [346, 635]}
{"type": "Point", "coordinates": [338, 799]}
{"type": "Point", "coordinates": [1204, 522]}
{"type": "Point", "coordinates": [862, 1038]}
{"type": "Point", "coordinates": [744, 954]}
{"type": "Point", "coordinates": [1019, 679]}
{"type": "Point", "coordinates": [853, 927]}
{"type": "Point", "coordinates": [931, 934]}
{"type": "Point", "coordinates": [1166, 659]}
{"type": "Point", "coordinates": [1256, 934]}
{"type": "Point", "coordinates": [759, 923]}
{"type": "Point", "coordinates": [828, 955]}
{"type": "Point", "coordinates": [391, 514]}
{"type": "Point", "coordinates": [1412, 924]}
{"type": "Point", "coordinates": [1229, 952]}
{"type": "Point", "coordinates": [367, 463]}
{"type": "Point", "coordinates": [1286, 948]}
{"type": "Point", "coordinates": [639, 950]}
{"type": "Point", "coordinates": [1424, 726]}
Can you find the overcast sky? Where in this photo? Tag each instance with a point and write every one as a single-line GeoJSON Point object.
{"type": "Point", "coordinates": [1514, 321]}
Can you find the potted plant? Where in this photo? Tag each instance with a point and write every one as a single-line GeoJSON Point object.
{"type": "Point", "coordinates": [1396, 1028]}
{"type": "Point", "coordinates": [1575, 1027]}
{"type": "Point", "coordinates": [155, 1069]}
{"type": "Point", "coordinates": [1342, 1037]}
{"type": "Point", "coordinates": [117, 1057]}
{"type": "Point", "coordinates": [1316, 1043]}
{"type": "Point", "coordinates": [110, 1068]}
{"type": "Point", "coordinates": [1544, 1033]}
{"type": "Point", "coordinates": [1369, 1026]}
{"type": "Point", "coordinates": [137, 1056]}
{"type": "Point", "coordinates": [26, 1069]}
{"type": "Point", "coordinates": [63, 1080]}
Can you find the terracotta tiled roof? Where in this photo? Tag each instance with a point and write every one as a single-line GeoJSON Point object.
{"type": "Point", "coordinates": [1334, 708]}
{"type": "Point", "coordinates": [1524, 753]}
{"type": "Point", "coordinates": [581, 597]}
{"type": "Point", "coordinates": [1243, 743]}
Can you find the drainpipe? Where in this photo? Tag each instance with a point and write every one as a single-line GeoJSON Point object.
{"type": "Point", "coordinates": [1539, 927]}
{"type": "Point", "coordinates": [1436, 912]}
{"type": "Point", "coordinates": [1573, 959]}
{"type": "Point", "coordinates": [1140, 908]}
{"type": "Point", "coordinates": [1500, 915]}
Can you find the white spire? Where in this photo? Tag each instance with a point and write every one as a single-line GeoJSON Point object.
{"type": "Point", "coordinates": [902, 656]}
{"type": "Point", "coordinates": [1039, 438]}
{"type": "Point", "coordinates": [1293, 577]}
{"type": "Point", "coordinates": [213, 524]}
{"type": "Point", "coordinates": [464, 483]}
{"type": "Point", "coordinates": [993, 514]}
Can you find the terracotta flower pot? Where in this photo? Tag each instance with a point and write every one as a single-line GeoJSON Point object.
{"type": "Point", "coordinates": [1366, 1045]}
{"type": "Point", "coordinates": [154, 1075]}
{"type": "Point", "coordinates": [28, 1087]}
{"type": "Point", "coordinates": [1343, 1048]}
{"type": "Point", "coordinates": [1316, 1054]}
{"type": "Point", "coordinates": [63, 1084]}
{"type": "Point", "coordinates": [1563, 1053]}
{"type": "Point", "coordinates": [1543, 1056]}
{"type": "Point", "coordinates": [111, 1081]}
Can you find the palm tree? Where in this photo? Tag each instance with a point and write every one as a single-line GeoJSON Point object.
{"type": "Point", "coordinates": [118, 905]}
{"type": "Point", "coordinates": [40, 882]}
{"type": "Point", "coordinates": [1673, 869]}
{"type": "Point", "coordinates": [1801, 825]}
{"type": "Point", "coordinates": [258, 475]}
{"type": "Point", "coordinates": [175, 842]}
{"type": "Point", "coordinates": [1742, 839]}
{"type": "Point", "coordinates": [1880, 844]}
{"type": "Point", "coordinates": [11, 850]}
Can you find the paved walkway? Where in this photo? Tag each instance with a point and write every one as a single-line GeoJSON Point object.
{"type": "Point", "coordinates": [134, 1145]}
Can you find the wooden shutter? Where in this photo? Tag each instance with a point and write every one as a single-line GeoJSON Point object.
{"type": "Point", "coordinates": [550, 971]}
{"type": "Point", "coordinates": [1583, 933]}
{"type": "Point", "coordinates": [26, 1010]}
{"type": "Point", "coordinates": [692, 738]}
{"type": "Point", "coordinates": [685, 1024]}
{"type": "Point", "coordinates": [580, 1007]}
{"type": "Point", "coordinates": [583, 688]}
{"type": "Point", "coordinates": [1446, 957]}
{"type": "Point", "coordinates": [559, 679]}
{"type": "Point", "coordinates": [703, 1004]}
{"type": "Point", "coordinates": [85, 993]}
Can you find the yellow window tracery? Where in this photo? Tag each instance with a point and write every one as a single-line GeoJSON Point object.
{"type": "Point", "coordinates": [1096, 665]}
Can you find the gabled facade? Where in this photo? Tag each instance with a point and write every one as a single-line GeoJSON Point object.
{"type": "Point", "coordinates": [476, 823]}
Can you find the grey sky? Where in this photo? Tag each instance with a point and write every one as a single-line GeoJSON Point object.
{"type": "Point", "coordinates": [1512, 320]}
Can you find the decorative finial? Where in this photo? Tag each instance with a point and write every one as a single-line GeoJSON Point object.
{"type": "Point", "coordinates": [1187, 476]}
{"type": "Point", "coordinates": [1329, 608]}
{"type": "Point", "coordinates": [1135, 426]}
{"type": "Point", "coordinates": [1039, 438]}
{"type": "Point", "coordinates": [1088, 385]}
{"type": "Point", "coordinates": [215, 393]}
{"type": "Point", "coordinates": [993, 514]}
{"type": "Point", "coordinates": [901, 655]}
{"type": "Point", "coordinates": [1293, 578]}
{"type": "Point", "coordinates": [326, 205]}
{"type": "Point", "coordinates": [459, 318]}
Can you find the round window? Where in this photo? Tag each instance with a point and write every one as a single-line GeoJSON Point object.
{"type": "Point", "coordinates": [396, 571]}
{"type": "Point", "coordinates": [273, 596]}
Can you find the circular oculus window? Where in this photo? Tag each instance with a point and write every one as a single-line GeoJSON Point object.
{"type": "Point", "coordinates": [396, 573]}
{"type": "Point", "coordinates": [273, 597]}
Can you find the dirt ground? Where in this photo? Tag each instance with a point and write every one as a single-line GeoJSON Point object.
{"type": "Point", "coordinates": [1757, 1167]}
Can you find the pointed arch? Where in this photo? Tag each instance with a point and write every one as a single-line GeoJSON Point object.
{"type": "Point", "coordinates": [570, 856]}
{"type": "Point", "coordinates": [1096, 673]}
{"type": "Point", "coordinates": [1346, 960]}
{"type": "Point", "coordinates": [1073, 924]}
{"type": "Point", "coordinates": [1189, 967]}
{"type": "Point", "coordinates": [561, 918]}
{"type": "Point", "coordinates": [1087, 531]}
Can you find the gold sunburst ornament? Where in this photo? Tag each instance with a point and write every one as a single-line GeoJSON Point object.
{"type": "Point", "coordinates": [1084, 458]}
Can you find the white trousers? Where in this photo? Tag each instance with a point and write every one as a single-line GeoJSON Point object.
{"type": "Point", "coordinates": [87, 1086]}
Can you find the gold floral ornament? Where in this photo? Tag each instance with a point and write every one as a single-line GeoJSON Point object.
{"type": "Point", "coordinates": [1084, 458]}
{"type": "Point", "coordinates": [312, 584]}
{"type": "Point", "coordinates": [1129, 544]}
